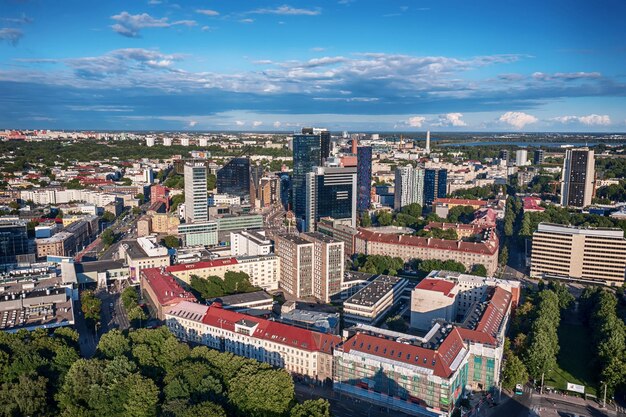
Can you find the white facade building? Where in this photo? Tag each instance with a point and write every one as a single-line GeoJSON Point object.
{"type": "Point", "coordinates": [196, 207]}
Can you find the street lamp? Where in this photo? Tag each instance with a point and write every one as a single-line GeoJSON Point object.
{"type": "Point", "coordinates": [604, 399]}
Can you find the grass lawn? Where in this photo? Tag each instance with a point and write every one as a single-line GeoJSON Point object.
{"type": "Point", "coordinates": [574, 359]}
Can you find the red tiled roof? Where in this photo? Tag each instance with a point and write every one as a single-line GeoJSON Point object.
{"type": "Point", "coordinates": [165, 287]}
{"type": "Point", "coordinates": [461, 201]}
{"type": "Point", "coordinates": [272, 331]}
{"type": "Point", "coordinates": [439, 360]}
{"type": "Point", "coordinates": [201, 265]}
{"type": "Point", "coordinates": [532, 204]}
{"type": "Point", "coordinates": [475, 336]}
{"type": "Point", "coordinates": [485, 216]}
{"type": "Point", "coordinates": [439, 285]}
{"type": "Point", "coordinates": [456, 226]}
{"type": "Point", "coordinates": [495, 312]}
{"type": "Point", "coordinates": [489, 247]}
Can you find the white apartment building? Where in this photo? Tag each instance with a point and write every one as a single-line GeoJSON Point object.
{"type": "Point", "coordinates": [250, 243]}
{"type": "Point", "coordinates": [409, 186]}
{"type": "Point", "coordinates": [196, 207]}
{"type": "Point", "coordinates": [264, 271]}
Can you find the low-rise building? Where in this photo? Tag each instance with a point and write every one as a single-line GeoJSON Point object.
{"type": "Point", "coordinates": [250, 243]}
{"type": "Point", "coordinates": [371, 303]}
{"type": "Point", "coordinates": [299, 351]}
{"type": "Point", "coordinates": [257, 300]}
{"type": "Point", "coordinates": [200, 233]}
{"type": "Point", "coordinates": [162, 290]}
{"type": "Point", "coordinates": [143, 253]}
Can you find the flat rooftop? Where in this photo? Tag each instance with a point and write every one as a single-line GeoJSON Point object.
{"type": "Point", "coordinates": [295, 239]}
{"type": "Point", "coordinates": [249, 297]}
{"type": "Point", "coordinates": [321, 237]}
{"type": "Point", "coordinates": [369, 295]}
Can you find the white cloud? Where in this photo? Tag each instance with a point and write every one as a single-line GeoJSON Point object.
{"type": "Point", "coordinates": [287, 10]}
{"type": "Point", "coordinates": [193, 123]}
{"type": "Point", "coordinates": [416, 121]}
{"type": "Point", "coordinates": [589, 120]}
{"type": "Point", "coordinates": [257, 123]}
{"type": "Point", "coordinates": [206, 28]}
{"type": "Point", "coordinates": [208, 12]}
{"type": "Point", "coordinates": [10, 35]}
{"type": "Point", "coordinates": [450, 119]}
{"type": "Point", "coordinates": [517, 119]}
{"type": "Point", "coordinates": [277, 124]}
{"type": "Point", "coordinates": [240, 122]}
{"type": "Point", "coordinates": [246, 20]}
{"type": "Point", "coordinates": [129, 25]}
{"type": "Point", "coordinates": [318, 49]}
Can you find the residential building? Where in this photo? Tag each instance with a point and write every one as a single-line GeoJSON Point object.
{"type": "Point", "coordinates": [435, 185]}
{"type": "Point", "coordinates": [196, 207]}
{"type": "Point", "coordinates": [521, 157]}
{"type": "Point", "coordinates": [60, 244]}
{"type": "Point", "coordinates": [371, 303]}
{"type": "Point", "coordinates": [268, 193]}
{"type": "Point", "coordinates": [250, 243]}
{"type": "Point", "coordinates": [162, 290]}
{"type": "Point", "coordinates": [339, 230]}
{"type": "Point", "coordinates": [408, 186]}
{"type": "Point", "coordinates": [166, 223]}
{"type": "Point", "coordinates": [299, 351]}
{"type": "Point", "coordinates": [264, 271]}
{"type": "Point", "coordinates": [590, 254]}
{"type": "Point", "coordinates": [306, 157]}
{"type": "Point", "coordinates": [538, 156]}
{"type": "Point", "coordinates": [577, 185]}
{"type": "Point", "coordinates": [328, 265]}
{"type": "Point", "coordinates": [296, 264]}
{"type": "Point", "coordinates": [330, 192]}
{"type": "Point", "coordinates": [408, 247]}
{"type": "Point", "coordinates": [143, 253]}
{"type": "Point", "coordinates": [504, 155]}
{"type": "Point", "coordinates": [364, 177]}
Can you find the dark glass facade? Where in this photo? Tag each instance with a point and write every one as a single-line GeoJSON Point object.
{"type": "Point", "coordinates": [576, 178]}
{"type": "Point", "coordinates": [306, 156]}
{"type": "Point", "coordinates": [325, 144]}
{"type": "Point", "coordinates": [234, 178]}
{"type": "Point", "coordinates": [435, 185]}
{"type": "Point", "coordinates": [364, 177]}
{"type": "Point", "coordinates": [13, 241]}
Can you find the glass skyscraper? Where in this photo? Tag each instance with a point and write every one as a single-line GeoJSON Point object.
{"type": "Point", "coordinates": [435, 184]}
{"type": "Point", "coordinates": [330, 192]}
{"type": "Point", "coordinates": [306, 157]}
{"type": "Point", "coordinates": [234, 177]}
{"type": "Point", "coordinates": [13, 240]}
{"type": "Point", "coordinates": [364, 177]}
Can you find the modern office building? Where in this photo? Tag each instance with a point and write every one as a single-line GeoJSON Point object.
{"type": "Point", "coordinates": [521, 157]}
{"type": "Point", "coordinates": [324, 144]}
{"type": "Point", "coordinates": [196, 207]}
{"type": "Point", "coordinates": [504, 155]}
{"type": "Point", "coordinates": [435, 185]}
{"type": "Point", "coordinates": [364, 177]}
{"type": "Point", "coordinates": [408, 186]}
{"type": "Point", "coordinates": [199, 233]}
{"type": "Point", "coordinates": [296, 264]}
{"type": "Point", "coordinates": [14, 246]}
{"type": "Point", "coordinates": [577, 184]}
{"type": "Point", "coordinates": [306, 157]}
{"type": "Point", "coordinates": [597, 255]}
{"type": "Point", "coordinates": [371, 303]}
{"type": "Point", "coordinates": [328, 265]}
{"type": "Point", "coordinates": [340, 230]}
{"type": "Point", "coordinates": [250, 243]}
{"type": "Point", "coordinates": [330, 192]}
{"type": "Point", "coordinates": [538, 156]}
{"type": "Point", "coordinates": [234, 178]}
{"type": "Point", "coordinates": [303, 352]}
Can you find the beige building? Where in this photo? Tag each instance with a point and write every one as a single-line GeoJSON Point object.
{"type": "Point", "coordinates": [579, 253]}
{"type": "Point", "coordinates": [165, 223]}
{"type": "Point", "coordinates": [296, 265]}
{"type": "Point", "coordinates": [371, 303]}
{"type": "Point", "coordinates": [328, 265]}
{"type": "Point", "coordinates": [299, 351]}
{"type": "Point", "coordinates": [144, 226]}
{"type": "Point", "coordinates": [60, 244]}
{"type": "Point", "coordinates": [143, 253]}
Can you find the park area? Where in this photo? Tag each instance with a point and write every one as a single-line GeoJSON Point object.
{"type": "Point", "coordinates": [574, 359]}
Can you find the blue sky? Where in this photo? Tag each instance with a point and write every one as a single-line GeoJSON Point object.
{"type": "Point", "coordinates": [447, 65]}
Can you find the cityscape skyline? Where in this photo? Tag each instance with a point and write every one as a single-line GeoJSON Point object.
{"type": "Point", "coordinates": [398, 66]}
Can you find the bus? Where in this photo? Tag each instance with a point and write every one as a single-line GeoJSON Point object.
{"type": "Point", "coordinates": [519, 389]}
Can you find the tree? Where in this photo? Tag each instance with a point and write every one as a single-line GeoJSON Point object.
{"type": "Point", "coordinates": [514, 372]}
{"type": "Point", "coordinates": [479, 269]}
{"type": "Point", "coordinates": [129, 297]}
{"type": "Point", "coordinates": [176, 201]}
{"type": "Point", "coordinates": [275, 399]}
{"type": "Point", "coordinates": [461, 214]}
{"type": "Point", "coordinates": [504, 255]}
{"type": "Point", "coordinates": [140, 197]}
{"type": "Point", "coordinates": [137, 314]}
{"type": "Point", "coordinates": [413, 210]}
{"type": "Point", "coordinates": [311, 408]}
{"type": "Point", "coordinates": [108, 217]}
{"type": "Point", "coordinates": [171, 241]}
{"type": "Point", "coordinates": [113, 344]}
{"type": "Point", "coordinates": [90, 305]}
{"type": "Point", "coordinates": [211, 182]}
{"type": "Point", "coordinates": [137, 210]}
{"type": "Point", "coordinates": [384, 218]}
{"type": "Point", "coordinates": [366, 220]}
{"type": "Point", "coordinates": [107, 237]}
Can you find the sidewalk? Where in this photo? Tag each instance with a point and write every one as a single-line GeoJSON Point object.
{"type": "Point", "coordinates": [556, 398]}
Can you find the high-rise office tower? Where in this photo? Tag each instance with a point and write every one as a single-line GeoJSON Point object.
{"type": "Point", "coordinates": [578, 177]}
{"type": "Point", "coordinates": [538, 156]}
{"type": "Point", "coordinates": [296, 264]}
{"type": "Point", "coordinates": [364, 177]}
{"type": "Point", "coordinates": [234, 177]}
{"type": "Point", "coordinates": [408, 186]}
{"type": "Point", "coordinates": [428, 141]}
{"type": "Point", "coordinates": [330, 192]}
{"type": "Point", "coordinates": [325, 144]}
{"type": "Point", "coordinates": [504, 155]}
{"type": "Point", "coordinates": [521, 157]}
{"type": "Point", "coordinates": [306, 157]}
{"type": "Point", "coordinates": [435, 185]}
{"type": "Point", "coordinates": [196, 207]}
